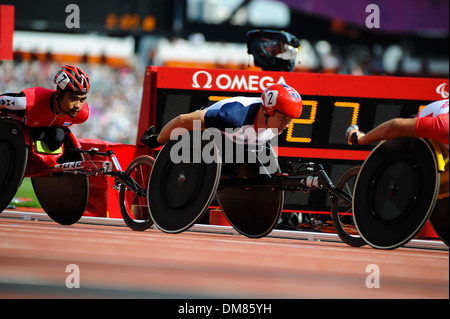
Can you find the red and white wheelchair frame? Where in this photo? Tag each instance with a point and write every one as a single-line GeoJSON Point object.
{"type": "Point", "coordinates": [60, 180]}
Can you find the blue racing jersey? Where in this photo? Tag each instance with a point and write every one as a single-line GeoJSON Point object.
{"type": "Point", "coordinates": [236, 118]}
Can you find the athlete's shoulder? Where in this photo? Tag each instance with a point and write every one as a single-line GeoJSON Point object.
{"type": "Point", "coordinates": [434, 109]}
{"type": "Point", "coordinates": [232, 112]}
{"type": "Point", "coordinates": [36, 94]}
{"type": "Point", "coordinates": [243, 100]}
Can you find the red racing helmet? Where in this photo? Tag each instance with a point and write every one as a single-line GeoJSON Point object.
{"type": "Point", "coordinates": [284, 99]}
{"type": "Point", "coordinates": [72, 78]}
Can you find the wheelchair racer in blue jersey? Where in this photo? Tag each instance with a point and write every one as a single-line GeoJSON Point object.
{"type": "Point", "coordinates": [247, 120]}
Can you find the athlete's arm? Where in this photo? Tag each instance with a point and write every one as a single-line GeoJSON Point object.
{"type": "Point", "coordinates": [13, 101]}
{"type": "Point", "coordinates": [394, 128]}
{"type": "Point", "coordinates": [185, 121]}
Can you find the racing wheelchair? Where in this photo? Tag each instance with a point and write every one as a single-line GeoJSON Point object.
{"type": "Point", "coordinates": [60, 177]}
{"type": "Point", "coordinates": [189, 172]}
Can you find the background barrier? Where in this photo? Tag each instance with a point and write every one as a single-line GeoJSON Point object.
{"type": "Point", "coordinates": [6, 32]}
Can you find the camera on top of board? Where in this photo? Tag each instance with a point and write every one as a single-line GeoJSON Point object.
{"type": "Point", "coordinates": [273, 50]}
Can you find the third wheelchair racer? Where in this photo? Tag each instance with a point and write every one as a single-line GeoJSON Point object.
{"type": "Point", "coordinates": [431, 122]}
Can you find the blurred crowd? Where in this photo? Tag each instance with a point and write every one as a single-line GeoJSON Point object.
{"type": "Point", "coordinates": [405, 58]}
{"type": "Point", "coordinates": [116, 90]}
{"type": "Point", "coordinates": [114, 99]}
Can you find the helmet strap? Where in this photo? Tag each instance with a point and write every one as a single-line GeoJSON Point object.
{"type": "Point", "coordinates": [266, 117]}
{"type": "Point", "coordinates": [57, 99]}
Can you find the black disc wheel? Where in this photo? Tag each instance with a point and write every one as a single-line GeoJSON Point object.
{"type": "Point", "coordinates": [182, 183]}
{"type": "Point", "coordinates": [395, 192]}
{"type": "Point", "coordinates": [133, 193]}
{"type": "Point", "coordinates": [341, 210]}
{"type": "Point", "coordinates": [253, 212]}
{"type": "Point", "coordinates": [63, 196]}
{"type": "Point", "coordinates": [13, 160]}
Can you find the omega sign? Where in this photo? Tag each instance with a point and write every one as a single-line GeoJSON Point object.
{"type": "Point", "coordinates": [203, 79]}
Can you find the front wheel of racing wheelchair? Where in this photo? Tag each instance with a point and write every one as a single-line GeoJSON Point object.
{"type": "Point", "coordinates": [341, 211]}
{"type": "Point", "coordinates": [133, 198]}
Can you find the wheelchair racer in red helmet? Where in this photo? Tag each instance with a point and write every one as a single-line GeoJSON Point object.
{"type": "Point", "coordinates": [47, 112]}
{"type": "Point", "coordinates": [42, 107]}
{"type": "Point", "coordinates": [266, 116]}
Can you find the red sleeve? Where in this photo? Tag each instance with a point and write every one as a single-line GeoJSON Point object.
{"type": "Point", "coordinates": [433, 127]}
{"type": "Point", "coordinates": [31, 96]}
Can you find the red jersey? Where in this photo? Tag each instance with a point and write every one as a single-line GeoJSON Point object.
{"type": "Point", "coordinates": [432, 122]}
{"type": "Point", "coordinates": [38, 113]}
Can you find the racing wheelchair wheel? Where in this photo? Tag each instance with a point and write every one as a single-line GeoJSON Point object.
{"type": "Point", "coordinates": [134, 206]}
{"type": "Point", "coordinates": [63, 196]}
{"type": "Point", "coordinates": [182, 185]}
{"type": "Point", "coordinates": [439, 219]}
{"type": "Point", "coordinates": [13, 160]}
{"type": "Point", "coordinates": [341, 212]}
{"type": "Point", "coordinates": [395, 192]}
{"type": "Point", "coordinates": [252, 211]}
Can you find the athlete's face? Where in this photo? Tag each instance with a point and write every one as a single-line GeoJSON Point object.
{"type": "Point", "coordinates": [279, 121]}
{"type": "Point", "coordinates": [72, 103]}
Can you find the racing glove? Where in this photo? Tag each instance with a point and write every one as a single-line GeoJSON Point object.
{"type": "Point", "coordinates": [354, 137]}
{"type": "Point", "coordinates": [149, 138]}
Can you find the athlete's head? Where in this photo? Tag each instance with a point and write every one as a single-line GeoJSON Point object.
{"type": "Point", "coordinates": [281, 103]}
{"type": "Point", "coordinates": [72, 88]}
{"type": "Point", "coordinates": [282, 98]}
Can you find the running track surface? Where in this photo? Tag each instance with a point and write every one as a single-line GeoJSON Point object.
{"type": "Point", "coordinates": [116, 262]}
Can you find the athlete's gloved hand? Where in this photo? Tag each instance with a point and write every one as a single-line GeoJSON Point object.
{"type": "Point", "coordinates": [353, 140]}
{"type": "Point", "coordinates": [150, 137]}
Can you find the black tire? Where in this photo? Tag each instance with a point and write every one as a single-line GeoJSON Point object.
{"type": "Point", "coordinates": [13, 160]}
{"type": "Point", "coordinates": [395, 192]}
{"type": "Point", "coordinates": [182, 184]}
{"type": "Point", "coordinates": [63, 196]}
{"type": "Point", "coordinates": [253, 212]}
{"type": "Point", "coordinates": [341, 212]}
{"type": "Point", "coordinates": [134, 208]}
